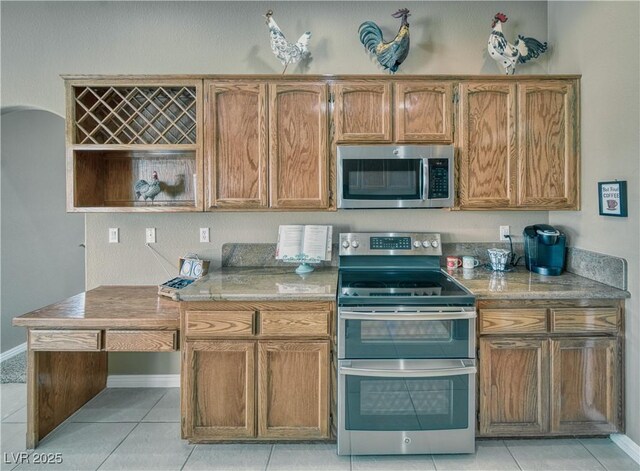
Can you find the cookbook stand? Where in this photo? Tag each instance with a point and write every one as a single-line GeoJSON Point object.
{"type": "Point", "coordinates": [304, 262]}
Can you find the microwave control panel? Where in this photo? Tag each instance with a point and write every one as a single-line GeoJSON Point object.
{"type": "Point", "coordinates": [438, 178]}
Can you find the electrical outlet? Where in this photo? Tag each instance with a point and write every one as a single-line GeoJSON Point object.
{"type": "Point", "coordinates": [150, 235]}
{"type": "Point", "coordinates": [204, 234]}
{"type": "Point", "coordinates": [113, 235]}
{"type": "Point", "coordinates": [504, 232]}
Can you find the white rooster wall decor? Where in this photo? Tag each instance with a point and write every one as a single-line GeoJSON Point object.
{"type": "Point", "coordinates": [286, 52]}
{"type": "Point", "coordinates": [508, 55]}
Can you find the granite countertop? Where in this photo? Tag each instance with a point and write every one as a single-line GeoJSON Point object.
{"type": "Point", "coordinates": [282, 283]}
{"type": "Point", "coordinates": [263, 284]}
{"type": "Point", "coordinates": [522, 284]}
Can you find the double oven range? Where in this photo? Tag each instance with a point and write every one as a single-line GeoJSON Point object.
{"type": "Point", "coordinates": [406, 348]}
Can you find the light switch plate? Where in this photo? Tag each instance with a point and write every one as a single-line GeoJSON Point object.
{"type": "Point", "coordinates": [150, 234]}
{"type": "Point", "coordinates": [113, 235]}
{"type": "Point", "coordinates": [204, 234]}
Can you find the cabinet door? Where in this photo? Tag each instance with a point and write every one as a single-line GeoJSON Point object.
{"type": "Point", "coordinates": [585, 382]}
{"type": "Point", "coordinates": [293, 389]}
{"type": "Point", "coordinates": [236, 145]}
{"type": "Point", "coordinates": [548, 145]}
{"type": "Point", "coordinates": [423, 111]}
{"type": "Point", "coordinates": [298, 145]}
{"type": "Point", "coordinates": [218, 390]}
{"type": "Point", "coordinates": [488, 147]}
{"type": "Point", "coordinates": [514, 386]}
{"type": "Point", "coordinates": [362, 111]}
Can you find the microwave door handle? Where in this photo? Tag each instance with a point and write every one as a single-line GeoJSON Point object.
{"type": "Point", "coordinates": [400, 373]}
{"type": "Point", "coordinates": [425, 179]}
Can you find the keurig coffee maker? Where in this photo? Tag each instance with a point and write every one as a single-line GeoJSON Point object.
{"type": "Point", "coordinates": [544, 249]}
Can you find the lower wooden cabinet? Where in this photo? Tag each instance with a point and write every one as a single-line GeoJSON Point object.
{"type": "Point", "coordinates": [553, 380]}
{"type": "Point", "coordinates": [585, 382]}
{"type": "Point", "coordinates": [218, 389]}
{"type": "Point", "coordinates": [293, 390]}
{"type": "Point", "coordinates": [256, 371]}
{"type": "Point", "coordinates": [514, 386]}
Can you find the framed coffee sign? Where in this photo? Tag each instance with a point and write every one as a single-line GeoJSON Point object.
{"type": "Point", "coordinates": [613, 198]}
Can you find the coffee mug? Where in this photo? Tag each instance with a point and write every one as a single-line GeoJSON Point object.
{"type": "Point", "coordinates": [453, 262]}
{"type": "Point", "coordinates": [469, 262]}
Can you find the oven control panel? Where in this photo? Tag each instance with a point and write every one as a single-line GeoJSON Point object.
{"type": "Point", "coordinates": [390, 243]}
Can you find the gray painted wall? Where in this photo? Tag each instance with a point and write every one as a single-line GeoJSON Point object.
{"type": "Point", "coordinates": [41, 260]}
{"type": "Point", "coordinates": [610, 145]}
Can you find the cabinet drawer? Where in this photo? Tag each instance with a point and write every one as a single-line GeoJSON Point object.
{"type": "Point", "coordinates": [578, 320]}
{"type": "Point", "coordinates": [140, 340]}
{"type": "Point", "coordinates": [69, 340]}
{"type": "Point", "coordinates": [219, 323]}
{"type": "Point", "coordinates": [494, 321]}
{"type": "Point", "coordinates": [294, 323]}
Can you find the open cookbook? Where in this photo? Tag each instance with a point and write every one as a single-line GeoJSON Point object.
{"type": "Point", "coordinates": [304, 243]}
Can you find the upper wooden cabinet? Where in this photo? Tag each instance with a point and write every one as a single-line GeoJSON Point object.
{"type": "Point", "coordinates": [487, 145]}
{"type": "Point", "coordinates": [518, 145]}
{"type": "Point", "coordinates": [262, 142]}
{"type": "Point", "coordinates": [236, 146]}
{"type": "Point", "coordinates": [362, 111]}
{"type": "Point", "coordinates": [266, 145]}
{"type": "Point", "coordinates": [423, 111]}
{"type": "Point", "coordinates": [548, 141]}
{"type": "Point", "coordinates": [298, 150]}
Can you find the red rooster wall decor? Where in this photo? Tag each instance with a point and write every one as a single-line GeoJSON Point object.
{"type": "Point", "coordinates": [508, 55]}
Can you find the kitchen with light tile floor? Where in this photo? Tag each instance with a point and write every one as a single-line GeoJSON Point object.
{"type": "Point", "coordinates": [139, 429]}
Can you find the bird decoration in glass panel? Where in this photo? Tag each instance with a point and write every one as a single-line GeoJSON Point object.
{"type": "Point", "coordinates": [287, 52]}
{"type": "Point", "coordinates": [388, 54]}
{"type": "Point", "coordinates": [508, 55]}
{"type": "Point", "coordinates": [148, 190]}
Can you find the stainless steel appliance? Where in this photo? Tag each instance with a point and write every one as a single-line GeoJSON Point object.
{"type": "Point", "coordinates": [544, 249]}
{"type": "Point", "coordinates": [393, 176]}
{"type": "Point", "coordinates": [406, 349]}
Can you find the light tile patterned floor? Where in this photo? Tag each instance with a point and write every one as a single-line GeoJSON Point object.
{"type": "Point", "coordinates": [138, 429]}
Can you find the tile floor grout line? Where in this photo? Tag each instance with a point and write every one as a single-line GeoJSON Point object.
{"type": "Point", "coordinates": [193, 448]}
{"type": "Point", "coordinates": [118, 445]}
{"type": "Point", "coordinates": [594, 456]}
{"type": "Point", "coordinates": [155, 404]}
{"type": "Point", "coordinates": [504, 442]}
{"type": "Point", "coordinates": [266, 467]}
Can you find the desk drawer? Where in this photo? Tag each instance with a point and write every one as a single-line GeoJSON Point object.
{"type": "Point", "coordinates": [294, 323]}
{"type": "Point", "coordinates": [513, 321]}
{"type": "Point", "coordinates": [140, 340]}
{"type": "Point", "coordinates": [67, 340]}
{"type": "Point", "coordinates": [219, 323]}
{"type": "Point", "coordinates": [581, 320]}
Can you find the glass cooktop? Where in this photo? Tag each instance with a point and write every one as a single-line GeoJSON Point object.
{"type": "Point", "coordinates": [398, 283]}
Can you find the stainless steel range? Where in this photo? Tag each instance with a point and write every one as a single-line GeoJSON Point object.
{"type": "Point", "coordinates": [406, 349]}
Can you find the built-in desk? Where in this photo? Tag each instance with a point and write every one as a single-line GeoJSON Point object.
{"type": "Point", "coordinates": [68, 344]}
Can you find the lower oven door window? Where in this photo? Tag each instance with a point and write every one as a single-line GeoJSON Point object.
{"type": "Point", "coordinates": [407, 338]}
{"type": "Point", "coordinates": [404, 403]}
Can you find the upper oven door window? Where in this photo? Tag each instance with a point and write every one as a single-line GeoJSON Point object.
{"type": "Point", "coordinates": [407, 338]}
{"type": "Point", "coordinates": [382, 179]}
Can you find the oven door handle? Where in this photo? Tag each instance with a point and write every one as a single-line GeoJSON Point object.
{"type": "Point", "coordinates": [400, 373]}
{"type": "Point", "coordinates": [408, 315]}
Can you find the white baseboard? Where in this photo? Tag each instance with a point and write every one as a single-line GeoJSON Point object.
{"type": "Point", "coordinates": [627, 445]}
{"type": "Point", "coordinates": [143, 381]}
{"type": "Point", "coordinates": [12, 352]}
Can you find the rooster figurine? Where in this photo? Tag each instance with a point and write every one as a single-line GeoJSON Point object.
{"type": "Point", "coordinates": [148, 189]}
{"type": "Point", "coordinates": [508, 55]}
{"type": "Point", "coordinates": [389, 54]}
{"type": "Point", "coordinates": [286, 52]}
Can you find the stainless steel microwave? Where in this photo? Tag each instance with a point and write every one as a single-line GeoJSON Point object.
{"type": "Point", "coordinates": [395, 176]}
